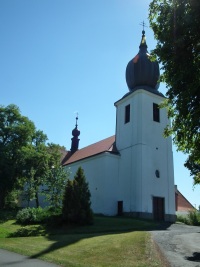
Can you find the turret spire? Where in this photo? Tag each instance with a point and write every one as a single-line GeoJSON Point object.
{"type": "Point", "coordinates": [76, 121]}
{"type": "Point", "coordinates": [75, 139]}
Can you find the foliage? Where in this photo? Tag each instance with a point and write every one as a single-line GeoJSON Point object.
{"type": "Point", "coordinates": [35, 163]}
{"type": "Point", "coordinates": [11, 200]}
{"type": "Point", "coordinates": [192, 218]}
{"type": "Point", "coordinates": [37, 215]}
{"type": "Point", "coordinates": [43, 168]}
{"type": "Point", "coordinates": [182, 219]}
{"type": "Point", "coordinates": [25, 158]}
{"type": "Point", "coordinates": [30, 215]}
{"type": "Point", "coordinates": [29, 190]}
{"type": "Point", "coordinates": [55, 182]}
{"type": "Point", "coordinates": [15, 133]}
{"type": "Point", "coordinates": [176, 27]}
{"type": "Point", "coordinates": [76, 201]}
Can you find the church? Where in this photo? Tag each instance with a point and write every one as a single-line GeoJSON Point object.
{"type": "Point", "coordinates": [131, 172]}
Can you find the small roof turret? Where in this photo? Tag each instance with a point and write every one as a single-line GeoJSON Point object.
{"type": "Point", "coordinates": [75, 139]}
{"type": "Point", "coordinates": [75, 131]}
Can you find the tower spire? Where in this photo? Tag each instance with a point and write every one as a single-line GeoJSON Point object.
{"type": "Point", "coordinates": [143, 24]}
{"type": "Point", "coordinates": [143, 41]}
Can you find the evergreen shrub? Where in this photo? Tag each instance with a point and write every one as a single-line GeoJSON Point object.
{"type": "Point", "coordinates": [76, 202]}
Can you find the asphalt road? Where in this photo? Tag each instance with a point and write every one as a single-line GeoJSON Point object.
{"type": "Point", "coordinates": [8, 259]}
{"type": "Point", "coordinates": [180, 244]}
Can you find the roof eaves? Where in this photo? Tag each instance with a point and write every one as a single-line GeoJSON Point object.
{"type": "Point", "coordinates": [146, 88]}
{"type": "Point", "coordinates": [94, 155]}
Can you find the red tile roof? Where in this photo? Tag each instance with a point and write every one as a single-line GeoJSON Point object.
{"type": "Point", "coordinates": [182, 204]}
{"type": "Point", "coordinates": [106, 145]}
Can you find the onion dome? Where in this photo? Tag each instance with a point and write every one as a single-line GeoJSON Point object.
{"type": "Point", "coordinates": [141, 72]}
{"type": "Point", "coordinates": [75, 131]}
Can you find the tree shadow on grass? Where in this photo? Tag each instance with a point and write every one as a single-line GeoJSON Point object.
{"type": "Point", "coordinates": [62, 242]}
{"type": "Point", "coordinates": [35, 230]}
{"type": "Point", "coordinates": [66, 235]}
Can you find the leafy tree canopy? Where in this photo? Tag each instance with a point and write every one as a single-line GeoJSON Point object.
{"type": "Point", "coordinates": [176, 28]}
{"type": "Point", "coordinates": [55, 183]}
{"type": "Point", "coordinates": [16, 132]}
{"type": "Point", "coordinates": [25, 158]}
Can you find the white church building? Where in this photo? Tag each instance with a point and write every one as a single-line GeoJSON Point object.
{"type": "Point", "coordinates": [132, 171]}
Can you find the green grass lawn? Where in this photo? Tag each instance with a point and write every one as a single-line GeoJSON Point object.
{"type": "Point", "coordinates": [110, 241]}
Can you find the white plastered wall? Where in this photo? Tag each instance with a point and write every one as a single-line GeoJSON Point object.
{"type": "Point", "coordinates": [101, 172]}
{"type": "Point", "coordinates": [144, 150]}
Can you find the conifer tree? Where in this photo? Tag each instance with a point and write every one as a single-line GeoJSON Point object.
{"type": "Point", "coordinates": [76, 201]}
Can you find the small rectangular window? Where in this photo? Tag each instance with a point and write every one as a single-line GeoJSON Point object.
{"type": "Point", "coordinates": [127, 113]}
{"type": "Point", "coordinates": [156, 112]}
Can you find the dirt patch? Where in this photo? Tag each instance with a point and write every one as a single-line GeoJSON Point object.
{"type": "Point", "coordinates": [154, 254]}
{"type": "Point", "coordinates": [164, 262]}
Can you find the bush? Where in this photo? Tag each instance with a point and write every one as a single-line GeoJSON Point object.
{"type": "Point", "coordinates": [183, 219]}
{"type": "Point", "coordinates": [31, 215]}
{"type": "Point", "coordinates": [192, 218]}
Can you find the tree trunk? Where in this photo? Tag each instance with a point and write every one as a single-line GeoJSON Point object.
{"type": "Point", "coordinates": [37, 200]}
{"type": "Point", "coordinates": [2, 198]}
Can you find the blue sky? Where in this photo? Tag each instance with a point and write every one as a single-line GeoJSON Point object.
{"type": "Point", "coordinates": [59, 57]}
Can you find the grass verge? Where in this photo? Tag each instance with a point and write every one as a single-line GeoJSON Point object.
{"type": "Point", "coordinates": [111, 241]}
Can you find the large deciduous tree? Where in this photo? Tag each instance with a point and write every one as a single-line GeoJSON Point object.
{"type": "Point", "coordinates": [176, 28]}
{"type": "Point", "coordinates": [15, 133]}
{"type": "Point", "coordinates": [25, 159]}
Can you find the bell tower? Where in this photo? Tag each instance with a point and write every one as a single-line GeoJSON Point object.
{"type": "Point", "coordinates": [146, 179]}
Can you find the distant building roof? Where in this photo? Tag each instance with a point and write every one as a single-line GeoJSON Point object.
{"type": "Point", "coordinates": [106, 145]}
{"type": "Point", "coordinates": [182, 204]}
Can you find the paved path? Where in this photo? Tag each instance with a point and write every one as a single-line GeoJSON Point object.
{"type": "Point", "coordinates": [180, 244]}
{"type": "Point", "coordinates": [8, 259]}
